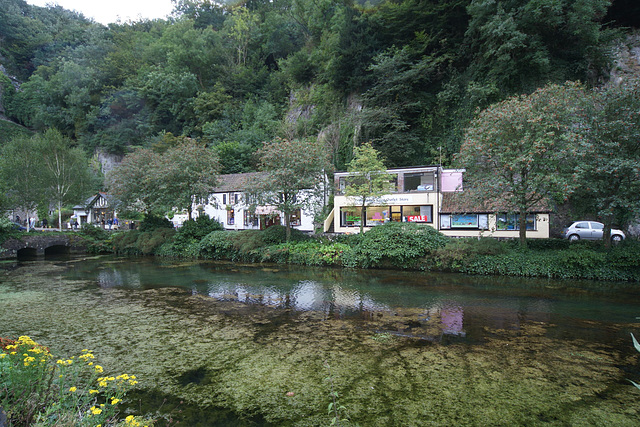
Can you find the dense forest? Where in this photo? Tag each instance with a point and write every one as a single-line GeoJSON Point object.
{"type": "Point", "coordinates": [407, 75]}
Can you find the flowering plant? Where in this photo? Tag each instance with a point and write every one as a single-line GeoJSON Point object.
{"type": "Point", "coordinates": [38, 389]}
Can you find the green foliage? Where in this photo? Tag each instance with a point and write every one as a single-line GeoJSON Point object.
{"type": "Point", "coordinates": [277, 234]}
{"type": "Point", "coordinates": [311, 252]}
{"type": "Point", "coordinates": [152, 222]}
{"type": "Point", "coordinates": [195, 230]}
{"type": "Point", "coordinates": [137, 242]}
{"type": "Point", "coordinates": [401, 245]}
{"type": "Point", "coordinates": [218, 245]}
{"type": "Point", "coordinates": [95, 232]}
{"type": "Point", "coordinates": [35, 390]}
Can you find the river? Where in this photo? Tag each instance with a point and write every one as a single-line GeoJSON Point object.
{"type": "Point", "coordinates": [241, 345]}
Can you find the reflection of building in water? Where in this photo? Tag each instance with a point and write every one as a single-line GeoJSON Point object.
{"type": "Point", "coordinates": [115, 278]}
{"type": "Point", "coordinates": [449, 317]}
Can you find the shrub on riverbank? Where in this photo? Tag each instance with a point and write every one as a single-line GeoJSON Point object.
{"type": "Point", "coordinates": [36, 390]}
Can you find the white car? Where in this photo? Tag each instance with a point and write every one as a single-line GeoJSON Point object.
{"type": "Point", "coordinates": [590, 230]}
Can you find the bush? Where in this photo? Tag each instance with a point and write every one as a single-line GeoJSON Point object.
{"type": "Point", "coordinates": [195, 230]}
{"type": "Point", "coordinates": [137, 242]}
{"type": "Point", "coordinates": [398, 244]}
{"type": "Point", "coordinates": [218, 245]}
{"type": "Point", "coordinates": [277, 234]}
{"type": "Point", "coordinates": [306, 253]}
{"type": "Point", "coordinates": [94, 232]}
{"type": "Point", "coordinates": [458, 253]}
{"type": "Point", "coordinates": [152, 222]}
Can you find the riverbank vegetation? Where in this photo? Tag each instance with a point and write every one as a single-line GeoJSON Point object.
{"type": "Point", "coordinates": [393, 245]}
{"type": "Point", "coordinates": [37, 389]}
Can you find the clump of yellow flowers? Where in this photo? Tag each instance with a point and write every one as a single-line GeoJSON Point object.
{"type": "Point", "coordinates": [36, 390]}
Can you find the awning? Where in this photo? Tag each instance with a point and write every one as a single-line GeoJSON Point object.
{"type": "Point", "coordinates": [266, 210]}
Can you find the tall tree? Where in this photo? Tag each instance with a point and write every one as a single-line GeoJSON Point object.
{"type": "Point", "coordinates": [184, 175]}
{"type": "Point", "coordinates": [608, 166]}
{"type": "Point", "coordinates": [518, 153]}
{"type": "Point", "coordinates": [369, 181]}
{"type": "Point", "coordinates": [129, 182]}
{"type": "Point", "coordinates": [21, 174]}
{"type": "Point", "coordinates": [67, 176]}
{"type": "Point", "coordinates": [295, 176]}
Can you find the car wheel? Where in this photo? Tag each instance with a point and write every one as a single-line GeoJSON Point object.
{"type": "Point", "coordinates": [574, 238]}
{"type": "Point", "coordinates": [616, 238]}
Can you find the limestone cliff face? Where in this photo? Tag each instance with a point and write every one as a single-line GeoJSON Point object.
{"type": "Point", "coordinates": [627, 59]}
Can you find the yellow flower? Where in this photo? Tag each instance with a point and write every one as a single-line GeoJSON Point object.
{"type": "Point", "coordinates": [99, 369]}
{"type": "Point", "coordinates": [115, 401]}
{"type": "Point", "coordinates": [95, 411]}
{"type": "Point", "coordinates": [2, 355]}
{"type": "Point", "coordinates": [72, 389]}
{"type": "Point", "coordinates": [94, 391]}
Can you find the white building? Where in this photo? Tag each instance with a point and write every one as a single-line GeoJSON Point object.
{"type": "Point", "coordinates": [427, 195]}
{"type": "Point", "coordinates": [97, 209]}
{"type": "Point", "coordinates": [229, 206]}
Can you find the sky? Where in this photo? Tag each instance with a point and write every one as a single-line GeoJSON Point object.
{"type": "Point", "coordinates": [107, 11]}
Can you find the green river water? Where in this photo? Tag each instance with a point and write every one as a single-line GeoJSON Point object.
{"type": "Point", "coordinates": [221, 344]}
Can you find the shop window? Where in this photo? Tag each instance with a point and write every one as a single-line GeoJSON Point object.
{"type": "Point", "coordinates": [396, 213]}
{"type": "Point", "coordinates": [350, 216]}
{"type": "Point", "coordinates": [461, 221]}
{"type": "Point", "coordinates": [296, 218]}
{"type": "Point", "coordinates": [419, 181]}
{"type": "Point", "coordinates": [377, 215]}
{"type": "Point", "coordinates": [417, 213]}
{"type": "Point", "coordinates": [511, 222]}
{"type": "Point", "coordinates": [230, 217]}
{"type": "Point", "coordinates": [250, 219]}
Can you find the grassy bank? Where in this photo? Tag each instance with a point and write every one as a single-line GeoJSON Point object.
{"type": "Point", "coordinates": [394, 245]}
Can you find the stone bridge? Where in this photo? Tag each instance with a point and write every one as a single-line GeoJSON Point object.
{"type": "Point", "coordinates": [36, 244]}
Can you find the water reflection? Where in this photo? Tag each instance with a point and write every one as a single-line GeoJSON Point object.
{"type": "Point", "coordinates": [422, 305]}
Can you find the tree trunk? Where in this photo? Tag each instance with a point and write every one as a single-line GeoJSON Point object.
{"type": "Point", "coordinates": [60, 214]}
{"type": "Point", "coordinates": [362, 217]}
{"type": "Point", "coordinates": [522, 224]}
{"type": "Point", "coordinates": [287, 223]}
{"type": "Point", "coordinates": [606, 232]}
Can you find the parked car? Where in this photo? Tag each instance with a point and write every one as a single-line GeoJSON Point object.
{"type": "Point", "coordinates": [590, 230]}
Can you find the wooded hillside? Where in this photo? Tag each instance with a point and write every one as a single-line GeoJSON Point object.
{"type": "Point", "coordinates": [406, 75]}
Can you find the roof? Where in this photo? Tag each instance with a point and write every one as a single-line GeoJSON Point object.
{"type": "Point", "coordinates": [236, 181]}
{"type": "Point", "coordinates": [455, 202]}
{"type": "Point", "coordinates": [92, 200]}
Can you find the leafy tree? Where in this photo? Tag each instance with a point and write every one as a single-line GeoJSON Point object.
{"type": "Point", "coordinates": [129, 182]}
{"type": "Point", "coordinates": [608, 166]}
{"type": "Point", "coordinates": [294, 175]}
{"type": "Point", "coordinates": [21, 173]}
{"type": "Point", "coordinates": [518, 152]}
{"type": "Point", "coordinates": [369, 180]}
{"type": "Point", "coordinates": [184, 175]}
{"type": "Point", "coordinates": [67, 176]}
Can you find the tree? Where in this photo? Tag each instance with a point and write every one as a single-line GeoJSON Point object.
{"type": "Point", "coordinates": [518, 153]}
{"type": "Point", "coordinates": [608, 166]}
{"type": "Point", "coordinates": [178, 177]}
{"type": "Point", "coordinates": [129, 182]}
{"type": "Point", "coordinates": [67, 177]}
{"type": "Point", "coordinates": [294, 176]}
{"type": "Point", "coordinates": [184, 175]}
{"type": "Point", "coordinates": [369, 180]}
{"type": "Point", "coordinates": [21, 174]}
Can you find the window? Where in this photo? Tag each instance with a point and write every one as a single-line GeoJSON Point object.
{"type": "Point", "coordinates": [230, 216]}
{"type": "Point", "coordinates": [417, 213]}
{"type": "Point", "coordinates": [250, 219]}
{"type": "Point", "coordinates": [597, 226]}
{"type": "Point", "coordinates": [224, 199]}
{"type": "Point", "coordinates": [462, 221]}
{"type": "Point", "coordinates": [377, 215]}
{"type": "Point", "coordinates": [350, 216]}
{"type": "Point", "coordinates": [236, 197]}
{"type": "Point", "coordinates": [296, 218]}
{"type": "Point", "coordinates": [511, 222]}
{"type": "Point", "coordinates": [419, 181]}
